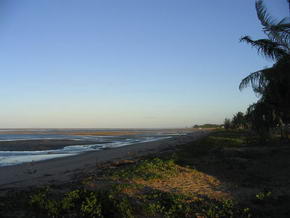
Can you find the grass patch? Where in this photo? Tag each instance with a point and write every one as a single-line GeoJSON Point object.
{"type": "Point", "coordinates": [146, 169]}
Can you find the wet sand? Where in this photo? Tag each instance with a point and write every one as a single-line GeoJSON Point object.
{"type": "Point", "coordinates": [61, 170]}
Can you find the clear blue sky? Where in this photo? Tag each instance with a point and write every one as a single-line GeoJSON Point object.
{"type": "Point", "coordinates": [129, 63]}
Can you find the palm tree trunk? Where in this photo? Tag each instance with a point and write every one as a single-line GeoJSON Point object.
{"type": "Point", "coordinates": [281, 124]}
{"type": "Point", "coordinates": [287, 129]}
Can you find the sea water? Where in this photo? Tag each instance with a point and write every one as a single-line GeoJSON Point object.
{"type": "Point", "coordinates": [8, 158]}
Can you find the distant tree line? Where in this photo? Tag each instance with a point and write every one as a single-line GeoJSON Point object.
{"type": "Point", "coordinates": [205, 126]}
{"type": "Point", "coordinates": [272, 85]}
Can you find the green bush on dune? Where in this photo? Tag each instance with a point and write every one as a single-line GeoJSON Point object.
{"type": "Point", "coordinates": [83, 203]}
{"type": "Point", "coordinates": [147, 169]}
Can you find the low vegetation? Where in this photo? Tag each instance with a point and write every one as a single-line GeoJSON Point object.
{"type": "Point", "coordinates": [147, 169]}
{"type": "Point", "coordinates": [207, 126]}
{"type": "Point", "coordinates": [226, 174]}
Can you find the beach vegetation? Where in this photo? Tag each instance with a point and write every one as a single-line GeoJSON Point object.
{"type": "Point", "coordinates": [263, 195]}
{"type": "Point", "coordinates": [227, 123]}
{"type": "Point", "coordinates": [147, 169]}
{"type": "Point", "coordinates": [41, 202]}
{"type": "Point", "coordinates": [270, 84]}
{"type": "Point", "coordinates": [204, 178]}
{"type": "Point", "coordinates": [152, 203]}
{"type": "Point", "coordinates": [207, 126]}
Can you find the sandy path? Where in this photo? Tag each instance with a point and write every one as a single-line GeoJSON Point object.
{"type": "Point", "coordinates": [62, 169]}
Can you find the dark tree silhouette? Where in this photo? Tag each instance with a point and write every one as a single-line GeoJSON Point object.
{"type": "Point", "coordinates": [271, 84]}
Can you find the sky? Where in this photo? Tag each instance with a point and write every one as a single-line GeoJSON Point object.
{"type": "Point", "coordinates": [126, 64]}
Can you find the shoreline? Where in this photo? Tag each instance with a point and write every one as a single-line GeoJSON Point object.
{"type": "Point", "coordinates": [59, 170]}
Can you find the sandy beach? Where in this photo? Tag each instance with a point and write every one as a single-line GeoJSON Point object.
{"type": "Point", "coordinates": [64, 169]}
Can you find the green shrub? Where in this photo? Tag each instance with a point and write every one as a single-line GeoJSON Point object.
{"type": "Point", "coordinates": [70, 200]}
{"type": "Point", "coordinates": [42, 203]}
{"type": "Point", "coordinates": [91, 206]}
{"type": "Point", "coordinates": [263, 195]}
{"type": "Point", "coordinates": [83, 203]}
{"type": "Point", "coordinates": [147, 169]}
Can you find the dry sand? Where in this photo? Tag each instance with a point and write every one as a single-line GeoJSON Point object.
{"type": "Point", "coordinates": [61, 170]}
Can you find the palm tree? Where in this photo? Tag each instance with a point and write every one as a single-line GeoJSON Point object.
{"type": "Point", "coordinates": [272, 84]}
{"type": "Point", "coordinates": [238, 121]}
{"type": "Point", "coordinates": [227, 123]}
{"type": "Point", "coordinates": [276, 47]}
{"type": "Point", "coordinates": [261, 118]}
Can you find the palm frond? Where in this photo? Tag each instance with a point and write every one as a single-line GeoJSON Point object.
{"type": "Point", "coordinates": [280, 32]}
{"type": "Point", "coordinates": [251, 108]}
{"type": "Point", "coordinates": [277, 31]}
{"type": "Point", "coordinates": [257, 80]}
{"type": "Point", "coordinates": [264, 17]}
{"type": "Point", "coordinates": [267, 47]}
